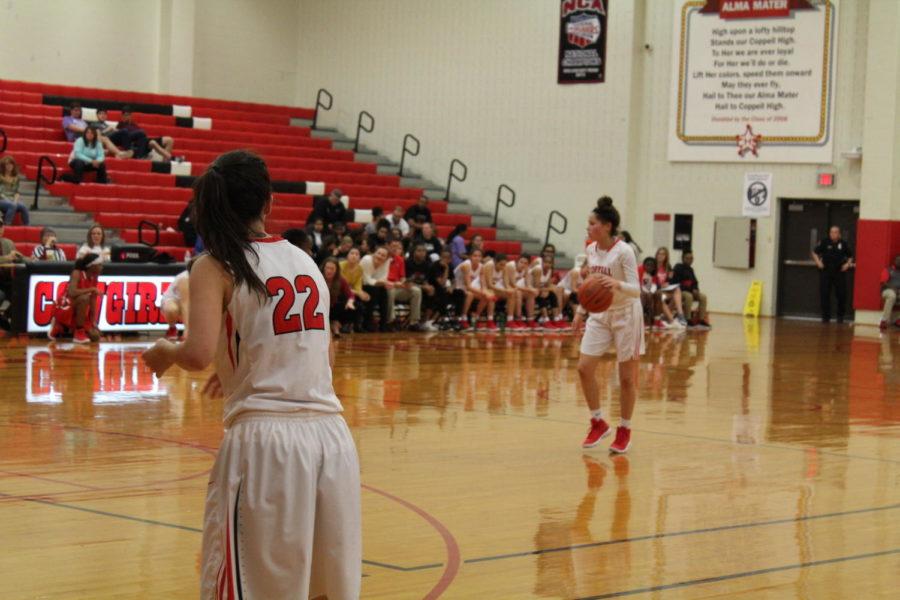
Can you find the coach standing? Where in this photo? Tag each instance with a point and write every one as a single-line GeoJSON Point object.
{"type": "Point", "coordinates": [834, 258]}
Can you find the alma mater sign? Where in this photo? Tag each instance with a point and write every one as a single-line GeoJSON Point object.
{"type": "Point", "coordinates": [754, 9]}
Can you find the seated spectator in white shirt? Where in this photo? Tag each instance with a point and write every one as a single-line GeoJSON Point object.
{"type": "Point", "coordinates": [48, 250]}
{"type": "Point", "coordinates": [372, 226]}
{"type": "Point", "coordinates": [396, 220]}
{"type": "Point", "coordinates": [95, 244]}
{"type": "Point", "coordinates": [375, 269]}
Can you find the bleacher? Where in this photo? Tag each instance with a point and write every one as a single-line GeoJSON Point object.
{"type": "Point", "coordinates": [301, 165]}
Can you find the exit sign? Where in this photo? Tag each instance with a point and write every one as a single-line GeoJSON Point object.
{"type": "Point", "coordinates": [826, 179]}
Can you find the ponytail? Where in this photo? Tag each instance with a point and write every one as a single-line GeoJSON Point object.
{"type": "Point", "coordinates": [228, 197]}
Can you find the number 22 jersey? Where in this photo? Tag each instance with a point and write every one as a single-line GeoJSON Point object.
{"type": "Point", "coordinates": [273, 351]}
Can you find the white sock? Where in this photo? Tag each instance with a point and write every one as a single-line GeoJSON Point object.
{"type": "Point", "coordinates": [626, 423]}
{"type": "Point", "coordinates": [597, 414]}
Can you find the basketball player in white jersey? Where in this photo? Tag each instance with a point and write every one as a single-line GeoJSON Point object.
{"type": "Point", "coordinates": [467, 275]}
{"type": "Point", "coordinates": [493, 280]}
{"type": "Point", "coordinates": [524, 284]}
{"type": "Point", "coordinates": [622, 325]}
{"type": "Point", "coordinates": [282, 508]}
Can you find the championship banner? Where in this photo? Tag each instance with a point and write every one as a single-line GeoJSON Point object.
{"type": "Point", "coordinates": [125, 302]}
{"type": "Point", "coordinates": [582, 41]}
{"type": "Point", "coordinates": [754, 81]}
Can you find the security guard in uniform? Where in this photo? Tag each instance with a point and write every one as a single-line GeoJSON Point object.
{"type": "Point", "coordinates": [834, 258]}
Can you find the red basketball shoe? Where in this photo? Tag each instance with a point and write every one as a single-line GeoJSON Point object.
{"type": "Point", "coordinates": [599, 430]}
{"type": "Point", "coordinates": [172, 333]}
{"type": "Point", "coordinates": [622, 441]}
{"type": "Point", "coordinates": [81, 337]}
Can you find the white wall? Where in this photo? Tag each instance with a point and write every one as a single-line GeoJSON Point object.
{"type": "Point", "coordinates": [100, 43]}
{"type": "Point", "coordinates": [246, 50]}
{"type": "Point", "coordinates": [708, 190]}
{"type": "Point", "coordinates": [231, 49]}
{"type": "Point", "coordinates": [476, 80]}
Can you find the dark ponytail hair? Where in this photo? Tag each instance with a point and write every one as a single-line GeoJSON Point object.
{"type": "Point", "coordinates": [230, 195]}
{"type": "Point", "coordinates": [607, 213]}
{"type": "Point", "coordinates": [458, 230]}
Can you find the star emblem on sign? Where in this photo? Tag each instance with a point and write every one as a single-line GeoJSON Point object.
{"type": "Point", "coordinates": [748, 142]}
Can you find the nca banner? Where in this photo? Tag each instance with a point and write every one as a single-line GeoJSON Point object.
{"type": "Point", "coordinates": [125, 302]}
{"type": "Point", "coordinates": [582, 41]}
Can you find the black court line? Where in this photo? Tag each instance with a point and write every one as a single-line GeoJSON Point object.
{"type": "Point", "coordinates": [692, 582]}
{"type": "Point", "coordinates": [656, 536]}
{"type": "Point", "coordinates": [104, 513]}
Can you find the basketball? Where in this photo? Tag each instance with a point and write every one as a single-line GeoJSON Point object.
{"type": "Point", "coordinates": [593, 296]}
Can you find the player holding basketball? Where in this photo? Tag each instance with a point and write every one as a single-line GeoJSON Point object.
{"type": "Point", "coordinates": [622, 324]}
{"type": "Point", "coordinates": [282, 507]}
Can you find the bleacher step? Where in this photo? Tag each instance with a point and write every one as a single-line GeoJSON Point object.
{"type": "Point", "coordinates": [59, 218]}
{"type": "Point", "coordinates": [331, 134]}
{"type": "Point", "coordinates": [295, 122]}
{"type": "Point", "coordinates": [372, 157]}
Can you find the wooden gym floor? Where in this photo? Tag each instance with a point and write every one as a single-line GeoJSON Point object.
{"type": "Point", "coordinates": [765, 464]}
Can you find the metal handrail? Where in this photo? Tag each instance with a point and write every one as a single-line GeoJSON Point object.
{"type": "Point", "coordinates": [453, 175]}
{"type": "Point", "coordinates": [565, 225]}
{"type": "Point", "coordinates": [360, 128]}
{"type": "Point", "coordinates": [149, 225]}
{"type": "Point", "coordinates": [500, 200]}
{"type": "Point", "coordinates": [407, 150]}
{"type": "Point", "coordinates": [320, 104]}
{"type": "Point", "coordinates": [5, 141]}
{"type": "Point", "coordinates": [41, 178]}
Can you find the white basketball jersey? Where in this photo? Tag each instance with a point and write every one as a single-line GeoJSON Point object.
{"type": "Point", "coordinates": [273, 352]}
{"type": "Point", "coordinates": [475, 275]}
{"type": "Point", "coordinates": [619, 263]}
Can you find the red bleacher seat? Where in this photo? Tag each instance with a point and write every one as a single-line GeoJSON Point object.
{"type": "Point", "coordinates": [22, 233]}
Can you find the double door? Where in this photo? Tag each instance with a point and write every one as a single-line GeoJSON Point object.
{"type": "Point", "coordinates": [804, 223]}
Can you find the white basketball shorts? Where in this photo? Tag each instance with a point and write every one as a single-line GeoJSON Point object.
{"type": "Point", "coordinates": [623, 327]}
{"type": "Point", "coordinates": [283, 511]}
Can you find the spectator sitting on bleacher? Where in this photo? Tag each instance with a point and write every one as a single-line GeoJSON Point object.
{"type": "Point", "coordinates": [890, 291]}
{"type": "Point", "coordinates": [382, 235]}
{"type": "Point", "coordinates": [316, 231]}
{"type": "Point", "coordinates": [186, 224]}
{"type": "Point", "coordinates": [439, 279]}
{"type": "Point", "coordinates": [402, 289]}
{"type": "Point", "coordinates": [130, 136]}
{"type": "Point", "coordinates": [375, 283]}
{"type": "Point", "coordinates": [96, 243]}
{"type": "Point", "coordinates": [397, 235]}
{"type": "Point", "coordinates": [87, 155]}
{"type": "Point", "coordinates": [48, 250]}
{"type": "Point", "coordinates": [10, 199]}
{"type": "Point", "coordinates": [343, 300]}
{"type": "Point", "coordinates": [476, 243]}
{"type": "Point", "coordinates": [417, 269]}
{"type": "Point", "coordinates": [8, 255]}
{"type": "Point", "coordinates": [396, 220]}
{"type": "Point", "coordinates": [73, 125]}
{"type": "Point", "coordinates": [328, 249]}
{"type": "Point", "coordinates": [427, 238]}
{"type": "Point", "coordinates": [104, 130]}
{"type": "Point", "coordinates": [300, 239]}
{"type": "Point", "coordinates": [457, 245]}
{"type": "Point", "coordinates": [338, 229]}
{"type": "Point", "coordinates": [372, 226]}
{"type": "Point", "coordinates": [419, 210]}
{"type": "Point", "coordinates": [683, 275]}
{"type": "Point", "coordinates": [344, 248]}
{"type": "Point", "coordinates": [329, 208]}
{"type": "Point", "coordinates": [665, 280]}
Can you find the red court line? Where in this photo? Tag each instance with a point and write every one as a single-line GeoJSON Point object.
{"type": "Point", "coordinates": [452, 567]}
